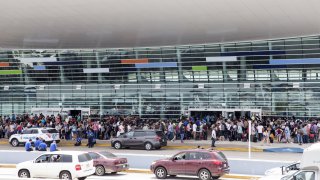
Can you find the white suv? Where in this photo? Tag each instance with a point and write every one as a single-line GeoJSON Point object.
{"type": "Point", "coordinates": [58, 164]}
{"type": "Point", "coordinates": [48, 134]}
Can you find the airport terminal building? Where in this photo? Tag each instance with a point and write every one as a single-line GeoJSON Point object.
{"type": "Point", "coordinates": [264, 75]}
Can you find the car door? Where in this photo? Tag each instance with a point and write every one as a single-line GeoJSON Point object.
{"type": "Point", "coordinates": [127, 139]}
{"type": "Point", "coordinates": [55, 165]}
{"type": "Point", "coordinates": [193, 163]}
{"type": "Point", "coordinates": [138, 138]}
{"type": "Point", "coordinates": [26, 135]}
{"type": "Point", "coordinates": [177, 164]}
{"type": "Point", "coordinates": [39, 167]}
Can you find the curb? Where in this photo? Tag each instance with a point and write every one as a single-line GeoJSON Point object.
{"type": "Point", "coordinates": [145, 171]}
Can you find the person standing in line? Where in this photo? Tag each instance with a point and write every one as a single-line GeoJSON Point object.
{"type": "Point", "coordinates": [213, 137]}
{"type": "Point", "coordinates": [182, 131]}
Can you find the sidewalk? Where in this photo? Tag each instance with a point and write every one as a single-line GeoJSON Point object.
{"type": "Point", "coordinates": [221, 145]}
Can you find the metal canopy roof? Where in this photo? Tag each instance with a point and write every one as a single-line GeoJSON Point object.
{"type": "Point", "coordinates": [141, 23]}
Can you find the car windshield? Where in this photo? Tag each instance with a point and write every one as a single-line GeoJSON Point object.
{"type": "Point", "coordinates": [107, 154]}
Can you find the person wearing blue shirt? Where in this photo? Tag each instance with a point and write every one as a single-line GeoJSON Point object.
{"type": "Point", "coordinates": [53, 146]}
{"type": "Point", "coordinates": [42, 146]}
{"type": "Point", "coordinates": [37, 143]}
{"type": "Point", "coordinates": [28, 146]}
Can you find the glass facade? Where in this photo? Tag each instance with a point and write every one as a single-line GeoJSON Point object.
{"type": "Point", "coordinates": [281, 77]}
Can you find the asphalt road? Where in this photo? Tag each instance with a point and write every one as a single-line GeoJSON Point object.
{"type": "Point", "coordinates": [9, 174]}
{"type": "Point", "coordinates": [141, 159]}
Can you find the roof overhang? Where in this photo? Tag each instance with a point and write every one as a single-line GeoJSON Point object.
{"type": "Point", "coordinates": [81, 24]}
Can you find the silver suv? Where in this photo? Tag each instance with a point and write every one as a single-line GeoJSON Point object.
{"type": "Point", "coordinates": [148, 139]}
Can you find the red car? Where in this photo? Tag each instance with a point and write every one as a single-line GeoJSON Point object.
{"type": "Point", "coordinates": [106, 162]}
{"type": "Point", "coordinates": [205, 164]}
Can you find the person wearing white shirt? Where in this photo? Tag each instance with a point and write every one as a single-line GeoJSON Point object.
{"type": "Point", "coordinates": [194, 131]}
{"type": "Point", "coordinates": [260, 131]}
{"type": "Point", "coordinates": [213, 137]}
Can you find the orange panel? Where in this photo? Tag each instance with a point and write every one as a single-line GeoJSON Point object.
{"type": "Point", "coordinates": [134, 61]}
{"type": "Point", "coordinates": [4, 64]}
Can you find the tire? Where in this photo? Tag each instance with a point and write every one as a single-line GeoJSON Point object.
{"type": "Point", "coordinates": [24, 173]}
{"type": "Point", "coordinates": [215, 177]}
{"type": "Point", "coordinates": [148, 146]}
{"type": "Point", "coordinates": [160, 172]}
{"type": "Point", "coordinates": [100, 171]}
{"type": "Point", "coordinates": [117, 145]}
{"type": "Point", "coordinates": [65, 175]}
{"type": "Point", "coordinates": [204, 174]}
{"type": "Point", "coordinates": [82, 178]}
{"type": "Point", "coordinates": [14, 142]}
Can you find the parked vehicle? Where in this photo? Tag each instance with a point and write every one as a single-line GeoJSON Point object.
{"type": "Point", "coordinates": [106, 162]}
{"type": "Point", "coordinates": [148, 139]}
{"type": "Point", "coordinates": [283, 170]}
{"type": "Point", "coordinates": [58, 164]}
{"type": "Point", "coordinates": [47, 134]}
{"type": "Point", "coordinates": [205, 164]}
{"type": "Point", "coordinates": [309, 166]}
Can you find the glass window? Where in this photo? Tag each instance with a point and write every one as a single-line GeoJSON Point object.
{"type": "Point", "coordinates": [107, 154]}
{"type": "Point", "coordinates": [132, 77]}
{"type": "Point", "coordinates": [305, 175]}
{"type": "Point", "coordinates": [313, 74]}
{"type": "Point", "coordinates": [263, 75]}
{"type": "Point", "coordinates": [215, 75]}
{"type": "Point", "coordinates": [180, 156]}
{"type": "Point", "coordinates": [139, 134]}
{"type": "Point", "coordinates": [233, 75]}
{"type": "Point", "coordinates": [27, 131]}
{"type": "Point", "coordinates": [281, 75]}
{"type": "Point", "coordinates": [155, 77]}
{"type": "Point", "coordinates": [200, 76]}
{"type": "Point", "coordinates": [295, 74]}
{"type": "Point", "coordinates": [250, 75]}
{"type": "Point", "coordinates": [188, 75]}
{"type": "Point", "coordinates": [35, 131]}
{"type": "Point", "coordinates": [66, 158]}
{"type": "Point", "coordinates": [172, 76]}
{"type": "Point", "coordinates": [192, 156]}
{"type": "Point", "coordinates": [84, 157]}
{"type": "Point", "coordinates": [129, 134]}
{"type": "Point", "coordinates": [43, 159]}
{"type": "Point", "coordinates": [94, 155]}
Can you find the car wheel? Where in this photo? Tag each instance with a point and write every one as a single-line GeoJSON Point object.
{"type": "Point", "coordinates": [117, 145]}
{"type": "Point", "coordinates": [215, 177]}
{"type": "Point", "coordinates": [160, 172]}
{"type": "Point", "coordinates": [65, 175]}
{"type": "Point", "coordinates": [148, 146]}
{"type": "Point", "coordinates": [204, 174]}
{"type": "Point", "coordinates": [14, 142]}
{"type": "Point", "coordinates": [24, 173]}
{"type": "Point", "coordinates": [100, 171]}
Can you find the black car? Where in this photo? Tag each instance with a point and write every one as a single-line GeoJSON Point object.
{"type": "Point", "coordinates": [148, 139]}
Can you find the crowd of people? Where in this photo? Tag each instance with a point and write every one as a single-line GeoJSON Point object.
{"type": "Point", "coordinates": [265, 130]}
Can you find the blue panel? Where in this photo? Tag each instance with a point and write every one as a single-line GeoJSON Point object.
{"type": "Point", "coordinates": [253, 53]}
{"type": "Point", "coordinates": [58, 63]}
{"type": "Point", "coordinates": [295, 61]}
{"type": "Point", "coordinates": [39, 67]}
{"type": "Point", "coordinates": [269, 66]}
{"type": "Point", "coordinates": [156, 65]}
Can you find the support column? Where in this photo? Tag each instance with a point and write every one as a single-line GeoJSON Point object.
{"type": "Point", "coordinates": [99, 65]}
{"type": "Point", "coordinates": [62, 79]}
{"type": "Point", "coordinates": [180, 74]}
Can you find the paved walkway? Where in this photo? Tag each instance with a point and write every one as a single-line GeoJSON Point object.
{"type": "Point", "coordinates": [191, 144]}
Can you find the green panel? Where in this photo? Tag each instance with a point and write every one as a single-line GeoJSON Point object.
{"type": "Point", "coordinates": [7, 72]}
{"type": "Point", "coordinates": [199, 68]}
